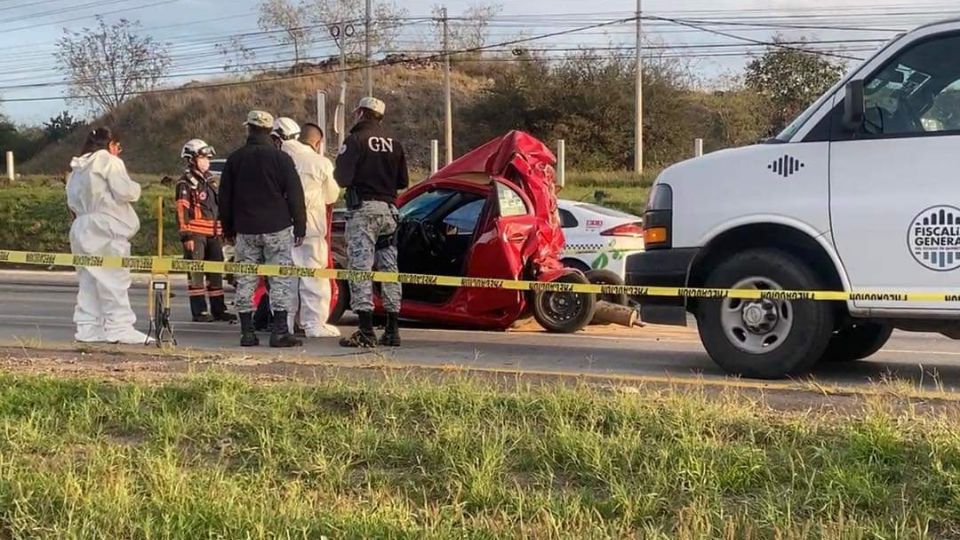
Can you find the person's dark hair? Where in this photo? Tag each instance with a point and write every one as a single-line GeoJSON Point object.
{"type": "Point", "coordinates": [259, 131]}
{"type": "Point", "coordinates": [311, 125]}
{"type": "Point", "coordinates": [368, 114]}
{"type": "Point", "coordinates": [99, 139]}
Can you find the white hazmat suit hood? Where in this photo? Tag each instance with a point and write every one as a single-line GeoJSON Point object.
{"type": "Point", "coordinates": [101, 194]}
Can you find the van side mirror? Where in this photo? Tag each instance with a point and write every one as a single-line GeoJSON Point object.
{"type": "Point", "coordinates": [854, 112]}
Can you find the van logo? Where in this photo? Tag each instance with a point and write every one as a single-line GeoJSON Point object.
{"type": "Point", "coordinates": [934, 238]}
{"type": "Point", "coordinates": [786, 166]}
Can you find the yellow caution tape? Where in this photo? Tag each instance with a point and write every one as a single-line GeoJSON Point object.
{"type": "Point", "coordinates": [165, 265]}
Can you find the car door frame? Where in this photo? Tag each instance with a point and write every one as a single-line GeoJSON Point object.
{"type": "Point", "coordinates": [485, 300]}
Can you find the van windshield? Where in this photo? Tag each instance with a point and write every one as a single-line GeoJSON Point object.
{"type": "Point", "coordinates": [798, 122]}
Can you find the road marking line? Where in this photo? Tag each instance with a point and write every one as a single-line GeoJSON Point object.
{"type": "Point", "coordinates": [908, 351]}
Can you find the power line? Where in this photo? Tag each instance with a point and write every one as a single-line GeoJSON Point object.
{"type": "Point", "coordinates": [751, 40]}
{"type": "Point", "coordinates": [134, 8]}
{"type": "Point", "coordinates": [344, 70]}
{"type": "Point", "coordinates": [190, 54]}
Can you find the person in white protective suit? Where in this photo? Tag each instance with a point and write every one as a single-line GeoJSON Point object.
{"type": "Point", "coordinates": [100, 195]}
{"type": "Point", "coordinates": [320, 190]}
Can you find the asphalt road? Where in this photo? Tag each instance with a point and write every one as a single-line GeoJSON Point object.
{"type": "Point", "coordinates": [39, 314]}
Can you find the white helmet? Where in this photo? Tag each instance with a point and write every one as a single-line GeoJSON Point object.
{"type": "Point", "coordinates": [285, 128]}
{"type": "Point", "coordinates": [197, 147]}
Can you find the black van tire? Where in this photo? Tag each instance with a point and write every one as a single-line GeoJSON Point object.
{"type": "Point", "coordinates": [858, 341]}
{"type": "Point", "coordinates": [805, 338]}
{"type": "Point", "coordinates": [607, 277]}
{"type": "Point", "coordinates": [579, 315]}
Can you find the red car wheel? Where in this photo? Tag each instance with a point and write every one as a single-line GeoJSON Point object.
{"type": "Point", "coordinates": [561, 312]}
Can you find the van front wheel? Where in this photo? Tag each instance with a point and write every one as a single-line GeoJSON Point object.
{"type": "Point", "coordinates": [764, 338]}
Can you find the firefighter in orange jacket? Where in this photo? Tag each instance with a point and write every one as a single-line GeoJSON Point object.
{"type": "Point", "coordinates": [200, 231]}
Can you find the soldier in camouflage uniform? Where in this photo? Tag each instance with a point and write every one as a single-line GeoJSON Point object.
{"type": "Point", "coordinates": [262, 207]}
{"type": "Point", "coordinates": [372, 167]}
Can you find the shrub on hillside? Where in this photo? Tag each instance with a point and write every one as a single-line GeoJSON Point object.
{"type": "Point", "coordinates": [588, 100]}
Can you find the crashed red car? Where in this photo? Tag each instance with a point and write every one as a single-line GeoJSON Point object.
{"type": "Point", "coordinates": [492, 214]}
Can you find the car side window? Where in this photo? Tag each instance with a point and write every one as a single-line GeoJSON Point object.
{"type": "Point", "coordinates": [425, 204]}
{"type": "Point", "coordinates": [567, 219]}
{"type": "Point", "coordinates": [510, 202]}
{"type": "Point", "coordinates": [917, 92]}
{"type": "Point", "coordinates": [465, 218]}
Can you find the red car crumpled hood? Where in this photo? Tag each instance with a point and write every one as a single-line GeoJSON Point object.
{"type": "Point", "coordinates": [525, 161]}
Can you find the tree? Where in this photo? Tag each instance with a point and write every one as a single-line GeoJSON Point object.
{"type": "Point", "coordinates": [238, 57]}
{"type": "Point", "coordinates": [302, 24]}
{"type": "Point", "coordinates": [471, 29]}
{"type": "Point", "coordinates": [24, 142]}
{"type": "Point", "coordinates": [108, 64]}
{"type": "Point", "coordinates": [287, 24]}
{"type": "Point", "coordinates": [588, 100]}
{"type": "Point", "coordinates": [791, 79]}
{"type": "Point", "coordinates": [386, 22]}
{"type": "Point", "coordinates": [58, 127]}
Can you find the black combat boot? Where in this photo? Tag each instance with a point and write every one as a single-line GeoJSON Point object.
{"type": "Point", "coordinates": [391, 336]}
{"type": "Point", "coordinates": [364, 337]}
{"type": "Point", "coordinates": [280, 335]}
{"type": "Point", "coordinates": [218, 308]}
{"type": "Point", "coordinates": [198, 308]}
{"type": "Point", "coordinates": [248, 336]}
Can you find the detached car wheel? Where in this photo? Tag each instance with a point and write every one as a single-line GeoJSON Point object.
{"type": "Point", "coordinates": [607, 277]}
{"type": "Point", "coordinates": [857, 341]}
{"type": "Point", "coordinates": [769, 338]}
{"type": "Point", "coordinates": [343, 302]}
{"type": "Point", "coordinates": [564, 312]}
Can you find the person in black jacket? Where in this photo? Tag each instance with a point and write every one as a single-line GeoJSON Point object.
{"type": "Point", "coordinates": [262, 211]}
{"type": "Point", "coordinates": [372, 167]}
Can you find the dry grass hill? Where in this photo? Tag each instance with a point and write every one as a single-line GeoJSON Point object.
{"type": "Point", "coordinates": [154, 126]}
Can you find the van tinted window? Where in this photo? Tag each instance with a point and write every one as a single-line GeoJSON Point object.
{"type": "Point", "coordinates": [917, 92]}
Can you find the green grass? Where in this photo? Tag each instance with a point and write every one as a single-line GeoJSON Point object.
{"type": "Point", "coordinates": [216, 457]}
{"type": "Point", "coordinates": [624, 191]}
{"type": "Point", "coordinates": [35, 215]}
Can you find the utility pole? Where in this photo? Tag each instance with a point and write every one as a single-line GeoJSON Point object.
{"type": "Point", "coordinates": [368, 37]}
{"type": "Point", "coordinates": [341, 119]}
{"type": "Point", "coordinates": [340, 32]}
{"type": "Point", "coordinates": [638, 144]}
{"type": "Point", "coordinates": [322, 119]}
{"type": "Point", "coordinates": [448, 102]}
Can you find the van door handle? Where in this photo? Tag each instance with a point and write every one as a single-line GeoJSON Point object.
{"type": "Point", "coordinates": [516, 237]}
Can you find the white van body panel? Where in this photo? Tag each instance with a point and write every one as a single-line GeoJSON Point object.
{"type": "Point", "coordinates": [721, 188]}
{"type": "Point", "coordinates": [862, 200]}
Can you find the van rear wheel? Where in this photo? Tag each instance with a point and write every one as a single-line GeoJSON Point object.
{"type": "Point", "coordinates": [764, 338]}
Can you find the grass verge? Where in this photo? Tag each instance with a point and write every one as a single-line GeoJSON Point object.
{"type": "Point", "coordinates": [35, 215]}
{"type": "Point", "coordinates": [218, 456]}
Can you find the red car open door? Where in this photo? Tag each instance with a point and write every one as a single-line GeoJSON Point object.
{"type": "Point", "coordinates": [501, 250]}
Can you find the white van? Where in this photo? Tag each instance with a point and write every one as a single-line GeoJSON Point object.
{"type": "Point", "coordinates": [861, 193]}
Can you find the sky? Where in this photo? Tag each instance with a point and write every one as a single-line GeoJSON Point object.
{"type": "Point", "coordinates": [32, 90]}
